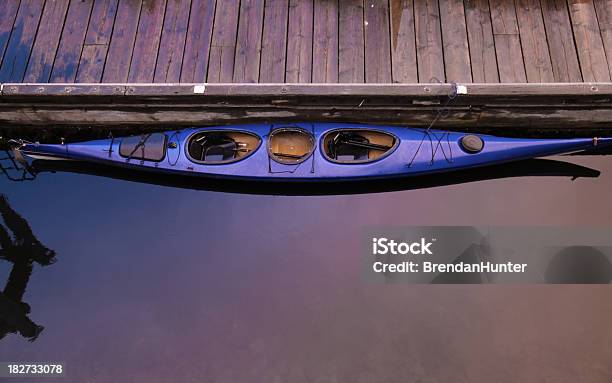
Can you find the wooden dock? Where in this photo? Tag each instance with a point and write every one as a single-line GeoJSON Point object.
{"type": "Point", "coordinates": [513, 63]}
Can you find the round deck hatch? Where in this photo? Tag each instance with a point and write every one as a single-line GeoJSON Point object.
{"type": "Point", "coordinates": [472, 143]}
{"type": "Point", "coordinates": [290, 146]}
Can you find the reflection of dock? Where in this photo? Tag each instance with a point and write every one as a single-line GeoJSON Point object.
{"type": "Point", "coordinates": [22, 249]}
{"type": "Point", "coordinates": [425, 45]}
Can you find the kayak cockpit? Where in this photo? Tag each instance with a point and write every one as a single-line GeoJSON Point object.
{"type": "Point", "coordinates": [221, 147]}
{"type": "Point", "coordinates": [358, 145]}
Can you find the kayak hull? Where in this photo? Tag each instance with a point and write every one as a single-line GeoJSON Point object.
{"type": "Point", "coordinates": [410, 151]}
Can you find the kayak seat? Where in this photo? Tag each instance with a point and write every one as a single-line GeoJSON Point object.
{"type": "Point", "coordinates": [220, 152]}
{"type": "Point", "coordinates": [213, 147]}
{"type": "Point", "coordinates": [346, 150]}
{"type": "Point", "coordinates": [221, 147]}
{"type": "Point", "coordinates": [357, 146]}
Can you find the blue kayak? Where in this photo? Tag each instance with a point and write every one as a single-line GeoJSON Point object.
{"type": "Point", "coordinates": [307, 151]}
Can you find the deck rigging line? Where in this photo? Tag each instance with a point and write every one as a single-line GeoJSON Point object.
{"type": "Point", "coordinates": [443, 111]}
{"type": "Point", "coordinates": [140, 144]}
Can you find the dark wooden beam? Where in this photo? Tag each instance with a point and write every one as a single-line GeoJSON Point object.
{"type": "Point", "coordinates": [503, 106]}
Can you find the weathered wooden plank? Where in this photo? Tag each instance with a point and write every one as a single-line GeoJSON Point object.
{"type": "Point", "coordinates": [377, 41]}
{"type": "Point", "coordinates": [351, 64]}
{"type": "Point", "coordinates": [70, 47]}
{"type": "Point", "coordinates": [430, 57]}
{"type": "Point", "coordinates": [54, 90]}
{"type": "Point", "coordinates": [119, 55]}
{"type": "Point", "coordinates": [6, 24]}
{"type": "Point", "coordinates": [543, 89]}
{"type": "Point", "coordinates": [47, 41]}
{"type": "Point", "coordinates": [529, 106]}
{"type": "Point", "coordinates": [157, 115]}
{"type": "Point", "coordinates": [199, 36]}
{"type": "Point", "coordinates": [223, 46]}
{"type": "Point", "coordinates": [287, 90]}
{"type": "Point", "coordinates": [503, 17]}
{"type": "Point", "coordinates": [248, 44]}
{"type": "Point", "coordinates": [299, 41]}
{"type": "Point", "coordinates": [587, 36]}
{"type": "Point", "coordinates": [97, 40]}
{"type": "Point", "coordinates": [510, 63]}
{"type": "Point", "coordinates": [482, 46]}
{"type": "Point", "coordinates": [489, 117]}
{"type": "Point", "coordinates": [454, 35]}
{"type": "Point", "coordinates": [144, 57]}
{"type": "Point", "coordinates": [325, 42]}
{"type": "Point", "coordinates": [560, 41]}
{"type": "Point", "coordinates": [172, 43]}
{"type": "Point", "coordinates": [604, 17]}
{"type": "Point", "coordinates": [274, 41]}
{"type": "Point", "coordinates": [91, 64]}
{"type": "Point", "coordinates": [403, 48]}
{"type": "Point", "coordinates": [20, 43]}
{"type": "Point", "coordinates": [538, 66]}
{"type": "Point", "coordinates": [101, 22]}
{"type": "Point", "coordinates": [547, 93]}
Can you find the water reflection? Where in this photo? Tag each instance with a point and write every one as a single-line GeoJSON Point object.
{"type": "Point", "coordinates": [169, 284]}
{"type": "Point", "coordinates": [526, 168]}
{"type": "Point", "coordinates": [579, 264]}
{"type": "Point", "coordinates": [474, 254]}
{"type": "Point", "coordinates": [22, 249]}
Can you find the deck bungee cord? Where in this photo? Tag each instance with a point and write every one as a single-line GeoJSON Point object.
{"type": "Point", "coordinates": [141, 145]}
{"type": "Point", "coordinates": [443, 111]}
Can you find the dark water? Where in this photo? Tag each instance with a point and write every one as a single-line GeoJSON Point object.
{"type": "Point", "coordinates": [159, 284]}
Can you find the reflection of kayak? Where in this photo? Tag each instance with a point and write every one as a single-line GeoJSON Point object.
{"type": "Point", "coordinates": [307, 152]}
{"type": "Point", "coordinates": [526, 168]}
